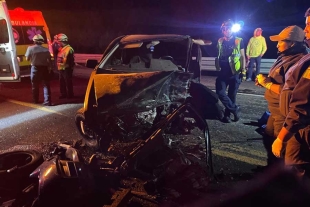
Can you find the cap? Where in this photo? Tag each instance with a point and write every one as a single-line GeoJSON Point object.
{"type": "Point", "coordinates": [292, 33]}
{"type": "Point", "coordinates": [259, 29]}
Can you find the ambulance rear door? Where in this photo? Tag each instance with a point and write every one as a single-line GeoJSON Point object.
{"type": "Point", "coordinates": [9, 68]}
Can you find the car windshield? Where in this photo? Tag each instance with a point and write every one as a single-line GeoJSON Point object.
{"type": "Point", "coordinates": [150, 55]}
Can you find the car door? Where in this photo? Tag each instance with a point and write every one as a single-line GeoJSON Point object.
{"type": "Point", "coordinates": [9, 68]}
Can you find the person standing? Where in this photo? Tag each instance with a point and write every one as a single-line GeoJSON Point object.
{"type": "Point", "coordinates": [65, 65]}
{"type": "Point", "coordinates": [255, 50]}
{"type": "Point", "coordinates": [293, 137]}
{"type": "Point", "coordinates": [230, 63]}
{"type": "Point", "coordinates": [40, 59]}
{"type": "Point", "coordinates": [290, 50]}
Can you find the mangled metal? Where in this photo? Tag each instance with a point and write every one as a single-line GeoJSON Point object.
{"type": "Point", "coordinates": [141, 99]}
{"type": "Point", "coordinates": [139, 81]}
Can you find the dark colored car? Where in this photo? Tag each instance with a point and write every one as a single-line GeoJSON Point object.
{"type": "Point", "coordinates": [139, 80]}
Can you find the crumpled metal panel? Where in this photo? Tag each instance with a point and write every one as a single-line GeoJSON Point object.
{"type": "Point", "coordinates": [134, 92]}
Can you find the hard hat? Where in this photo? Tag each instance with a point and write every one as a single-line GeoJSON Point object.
{"type": "Point", "coordinates": [228, 23]}
{"type": "Point", "coordinates": [38, 37]}
{"type": "Point", "coordinates": [62, 37]}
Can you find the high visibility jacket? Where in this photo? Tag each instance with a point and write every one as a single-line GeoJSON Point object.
{"type": "Point", "coordinates": [234, 58]}
{"type": "Point", "coordinates": [256, 47]}
{"type": "Point", "coordinates": [65, 58]}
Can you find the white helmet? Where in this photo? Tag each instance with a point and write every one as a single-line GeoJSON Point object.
{"type": "Point", "coordinates": [38, 38]}
{"type": "Point", "coordinates": [62, 37]}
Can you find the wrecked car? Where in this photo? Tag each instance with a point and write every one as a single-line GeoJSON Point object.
{"type": "Point", "coordinates": [139, 81]}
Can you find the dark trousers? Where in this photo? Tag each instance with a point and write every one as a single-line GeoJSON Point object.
{"type": "Point", "coordinates": [257, 61]}
{"type": "Point", "coordinates": [228, 99]}
{"type": "Point", "coordinates": [273, 127]}
{"type": "Point", "coordinates": [65, 82]}
{"type": "Point", "coordinates": [38, 74]}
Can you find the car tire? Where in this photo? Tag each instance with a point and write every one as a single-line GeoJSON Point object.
{"type": "Point", "coordinates": [87, 133]}
{"type": "Point", "coordinates": [16, 166]}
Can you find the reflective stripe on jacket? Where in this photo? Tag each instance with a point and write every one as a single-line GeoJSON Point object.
{"type": "Point", "coordinates": [62, 57]}
{"type": "Point", "coordinates": [234, 58]}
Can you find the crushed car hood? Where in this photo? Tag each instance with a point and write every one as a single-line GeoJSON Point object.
{"type": "Point", "coordinates": [134, 92]}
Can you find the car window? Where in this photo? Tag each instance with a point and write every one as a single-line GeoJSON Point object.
{"type": "Point", "coordinates": [163, 55]}
{"type": "Point", "coordinates": [4, 34]}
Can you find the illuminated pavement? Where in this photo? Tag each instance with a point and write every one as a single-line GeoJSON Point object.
{"type": "Point", "coordinates": [236, 146]}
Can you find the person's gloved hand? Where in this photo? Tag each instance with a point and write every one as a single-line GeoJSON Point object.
{"type": "Point", "coordinates": [278, 147]}
{"type": "Point", "coordinates": [264, 81]}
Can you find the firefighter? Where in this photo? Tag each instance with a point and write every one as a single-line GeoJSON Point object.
{"type": "Point", "coordinates": [65, 65]}
{"type": "Point", "coordinates": [40, 59]}
{"type": "Point", "coordinates": [230, 63]}
{"type": "Point", "coordinates": [295, 104]}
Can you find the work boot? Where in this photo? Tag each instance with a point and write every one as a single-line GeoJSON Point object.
{"type": "Point", "coordinates": [236, 114]}
{"type": "Point", "coordinates": [248, 79]}
{"type": "Point", "coordinates": [47, 103]}
{"type": "Point", "coordinates": [226, 119]}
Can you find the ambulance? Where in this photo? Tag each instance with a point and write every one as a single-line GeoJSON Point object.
{"type": "Point", "coordinates": [17, 28]}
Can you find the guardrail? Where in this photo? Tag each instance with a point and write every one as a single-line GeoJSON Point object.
{"type": "Point", "coordinates": [208, 64]}
{"type": "Point", "coordinates": [81, 58]}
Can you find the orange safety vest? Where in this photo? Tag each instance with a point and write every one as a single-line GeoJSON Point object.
{"type": "Point", "coordinates": [62, 57]}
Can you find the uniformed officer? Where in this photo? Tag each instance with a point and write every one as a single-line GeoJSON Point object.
{"type": "Point", "coordinates": [295, 102]}
{"type": "Point", "coordinates": [40, 58]}
{"type": "Point", "coordinates": [290, 49]}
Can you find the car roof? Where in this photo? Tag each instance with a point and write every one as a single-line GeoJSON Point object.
{"type": "Point", "coordinates": [143, 37]}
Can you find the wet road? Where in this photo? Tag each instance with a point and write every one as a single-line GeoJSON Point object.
{"type": "Point", "coordinates": [236, 147]}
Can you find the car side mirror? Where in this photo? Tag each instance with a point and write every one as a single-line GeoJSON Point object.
{"type": "Point", "coordinates": [91, 63]}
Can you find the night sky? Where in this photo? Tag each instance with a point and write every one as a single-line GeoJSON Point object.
{"type": "Point", "coordinates": [103, 20]}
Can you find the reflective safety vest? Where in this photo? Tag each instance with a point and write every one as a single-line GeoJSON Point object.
{"type": "Point", "coordinates": [234, 59]}
{"type": "Point", "coordinates": [63, 57]}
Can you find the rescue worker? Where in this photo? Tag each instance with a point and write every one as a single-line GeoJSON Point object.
{"type": "Point", "coordinates": [295, 103]}
{"type": "Point", "coordinates": [40, 59]}
{"type": "Point", "coordinates": [255, 50]}
{"type": "Point", "coordinates": [65, 65]}
{"type": "Point", "coordinates": [290, 50]}
{"type": "Point", "coordinates": [230, 63]}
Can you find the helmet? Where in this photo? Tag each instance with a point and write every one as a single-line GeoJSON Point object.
{"type": "Point", "coordinates": [38, 37]}
{"type": "Point", "coordinates": [62, 37]}
{"type": "Point", "coordinates": [228, 23]}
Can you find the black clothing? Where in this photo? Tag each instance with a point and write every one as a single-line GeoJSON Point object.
{"type": "Point", "coordinates": [38, 74]}
{"type": "Point", "coordinates": [227, 49]}
{"type": "Point", "coordinates": [65, 81]}
{"type": "Point", "coordinates": [283, 64]}
{"type": "Point", "coordinates": [227, 79]}
{"type": "Point", "coordinates": [277, 72]}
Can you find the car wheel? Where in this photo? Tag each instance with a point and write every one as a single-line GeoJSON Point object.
{"type": "Point", "coordinates": [16, 166]}
{"type": "Point", "coordinates": [88, 134]}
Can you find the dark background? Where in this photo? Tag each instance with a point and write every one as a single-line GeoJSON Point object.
{"type": "Point", "coordinates": [92, 24]}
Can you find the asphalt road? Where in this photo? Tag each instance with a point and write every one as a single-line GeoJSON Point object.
{"type": "Point", "coordinates": [237, 147]}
